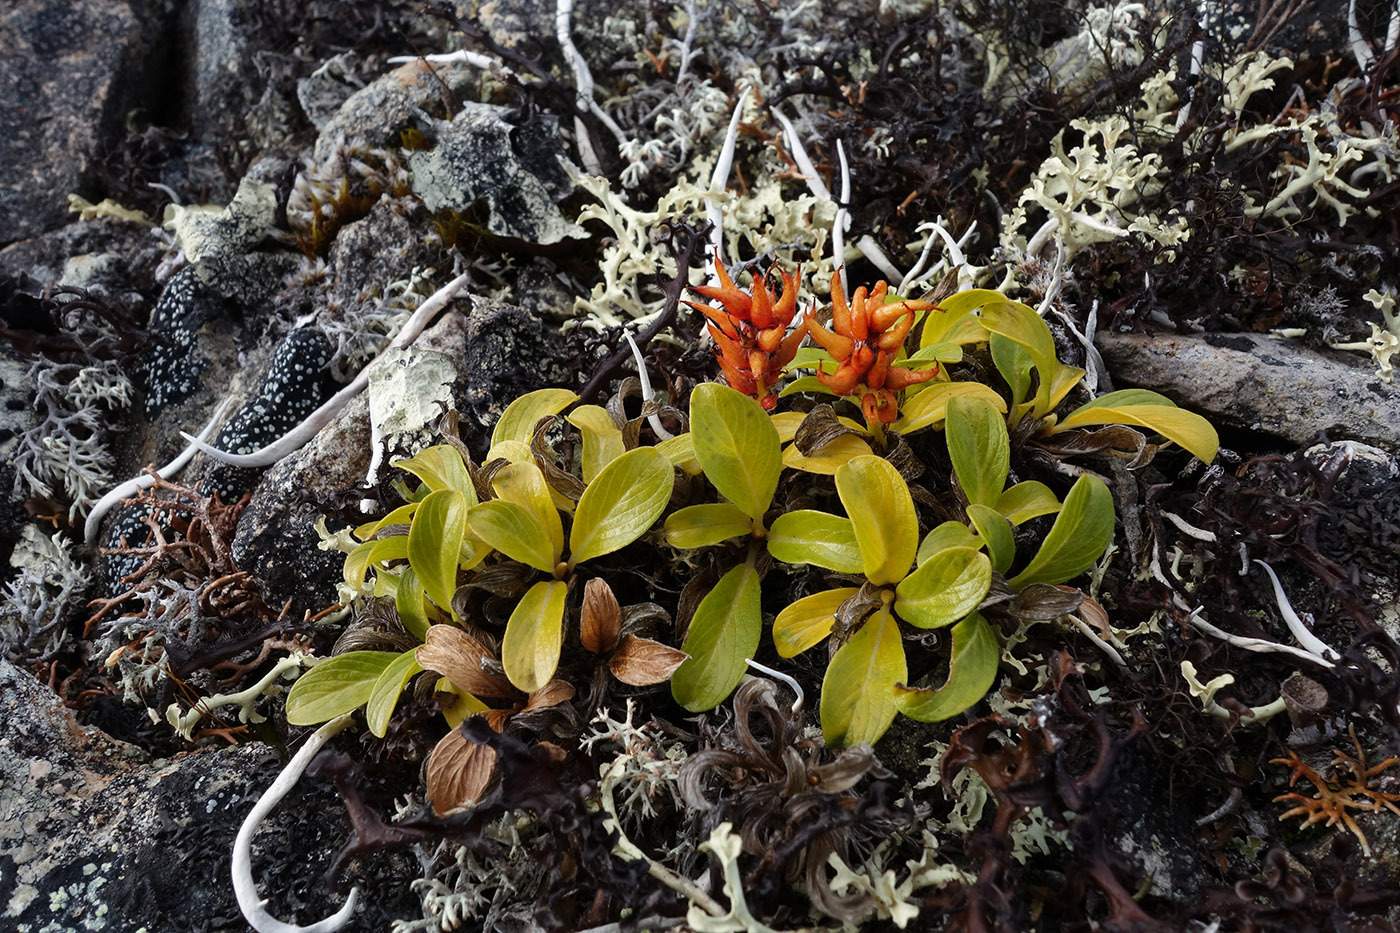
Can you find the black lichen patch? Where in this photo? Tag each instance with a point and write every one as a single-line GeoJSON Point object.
{"type": "Point", "coordinates": [173, 364]}
{"type": "Point", "coordinates": [292, 388]}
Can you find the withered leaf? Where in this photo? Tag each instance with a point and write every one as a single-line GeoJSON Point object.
{"type": "Point", "coordinates": [551, 694]}
{"type": "Point", "coordinates": [1043, 601]}
{"type": "Point", "coordinates": [641, 662]}
{"type": "Point", "coordinates": [458, 772]}
{"type": "Point", "coordinates": [1093, 612]}
{"type": "Point", "coordinates": [601, 617]}
{"type": "Point", "coordinates": [462, 659]}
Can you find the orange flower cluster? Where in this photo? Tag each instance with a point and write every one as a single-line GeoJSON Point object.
{"type": "Point", "coordinates": [865, 338]}
{"type": "Point", "coordinates": [750, 329]}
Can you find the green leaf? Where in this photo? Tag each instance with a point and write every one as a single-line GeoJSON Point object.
{"type": "Point", "coordinates": [809, 357]}
{"type": "Point", "coordinates": [1187, 429]}
{"type": "Point", "coordinates": [736, 443]}
{"type": "Point", "coordinates": [831, 457]}
{"type": "Point", "coordinates": [809, 537]}
{"type": "Point", "coordinates": [515, 532]}
{"type": "Point", "coordinates": [995, 532]}
{"type": "Point", "coordinates": [928, 405]}
{"type": "Point", "coordinates": [385, 694]}
{"type": "Point", "coordinates": [946, 587]}
{"type": "Point", "coordinates": [441, 467]}
{"type": "Point", "coordinates": [435, 543]}
{"type": "Point", "coordinates": [806, 622]}
{"type": "Point", "coordinates": [723, 634]}
{"type": "Point", "coordinates": [1082, 530]}
{"type": "Point", "coordinates": [620, 504]}
{"type": "Point", "coordinates": [858, 693]}
{"type": "Point", "coordinates": [878, 503]}
{"type": "Point", "coordinates": [518, 420]}
{"type": "Point", "coordinates": [370, 554]}
{"type": "Point", "coordinates": [602, 441]}
{"type": "Point", "coordinates": [336, 686]}
{"type": "Point", "coordinates": [971, 673]}
{"type": "Point", "coordinates": [1020, 324]}
{"type": "Point", "coordinates": [534, 634]}
{"type": "Point", "coordinates": [805, 384]}
{"type": "Point", "coordinates": [408, 602]}
{"type": "Point", "coordinates": [932, 353]}
{"type": "Point", "coordinates": [703, 525]}
{"type": "Point", "coordinates": [399, 516]}
{"type": "Point", "coordinates": [979, 447]}
{"type": "Point", "coordinates": [953, 320]}
{"type": "Point", "coordinates": [947, 535]}
{"type": "Point", "coordinates": [1014, 362]}
{"type": "Point", "coordinates": [1125, 397]}
{"type": "Point", "coordinates": [524, 484]}
{"type": "Point", "coordinates": [680, 450]}
{"type": "Point", "coordinates": [1027, 500]}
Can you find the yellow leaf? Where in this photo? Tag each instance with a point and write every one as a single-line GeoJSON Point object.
{"type": "Point", "coordinates": [620, 504]}
{"type": "Point", "coordinates": [881, 510]}
{"type": "Point", "coordinates": [518, 420]}
{"type": "Point", "coordinates": [929, 406]}
{"type": "Point", "coordinates": [525, 485]}
{"type": "Point", "coordinates": [809, 620]}
{"type": "Point", "coordinates": [826, 461]}
{"type": "Point", "coordinates": [859, 700]}
{"type": "Point", "coordinates": [534, 634]}
{"type": "Point", "coordinates": [602, 441]}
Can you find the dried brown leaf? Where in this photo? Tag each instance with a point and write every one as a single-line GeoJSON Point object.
{"type": "Point", "coordinates": [601, 617]}
{"type": "Point", "coordinates": [459, 772]}
{"type": "Point", "coordinates": [641, 662]}
{"type": "Point", "coordinates": [551, 694]}
{"type": "Point", "coordinates": [462, 659]}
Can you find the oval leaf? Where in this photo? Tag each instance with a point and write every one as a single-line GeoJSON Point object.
{"type": "Point", "coordinates": [830, 458]}
{"type": "Point", "coordinates": [806, 622]}
{"type": "Point", "coordinates": [602, 441]}
{"type": "Point", "coordinates": [459, 772]}
{"type": "Point", "coordinates": [518, 420]}
{"type": "Point", "coordinates": [723, 635]}
{"type": "Point", "coordinates": [1082, 530]}
{"type": "Point", "coordinates": [1027, 500]}
{"type": "Point", "coordinates": [642, 662]}
{"type": "Point", "coordinates": [680, 450]}
{"type": "Point", "coordinates": [809, 537]}
{"type": "Point", "coordinates": [387, 688]}
{"type": "Point", "coordinates": [971, 673]}
{"type": "Point", "coordinates": [947, 535]}
{"type": "Point", "coordinates": [463, 660]}
{"type": "Point", "coordinates": [737, 446]}
{"type": "Point", "coordinates": [408, 603]}
{"type": "Point", "coordinates": [703, 525]}
{"type": "Point", "coordinates": [996, 534]}
{"type": "Point", "coordinates": [620, 504]}
{"type": "Point", "coordinates": [1187, 429]}
{"type": "Point", "coordinates": [441, 467]}
{"type": "Point", "coordinates": [525, 485]}
{"type": "Point", "coordinates": [435, 543]}
{"type": "Point", "coordinates": [881, 510]}
{"type": "Point", "coordinates": [534, 634]}
{"type": "Point", "coordinates": [336, 686]}
{"type": "Point", "coordinates": [929, 405]}
{"type": "Point", "coordinates": [979, 447]}
{"type": "Point", "coordinates": [858, 693]}
{"type": "Point", "coordinates": [946, 587]}
{"type": "Point", "coordinates": [515, 532]}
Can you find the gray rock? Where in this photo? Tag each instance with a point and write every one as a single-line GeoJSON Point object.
{"type": "Point", "coordinates": [509, 352]}
{"type": "Point", "coordinates": [1250, 382]}
{"type": "Point", "coordinates": [98, 836]}
{"type": "Point", "coordinates": [70, 71]}
{"type": "Point", "coordinates": [276, 539]}
{"type": "Point", "coordinates": [481, 156]}
{"type": "Point", "coordinates": [377, 113]}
